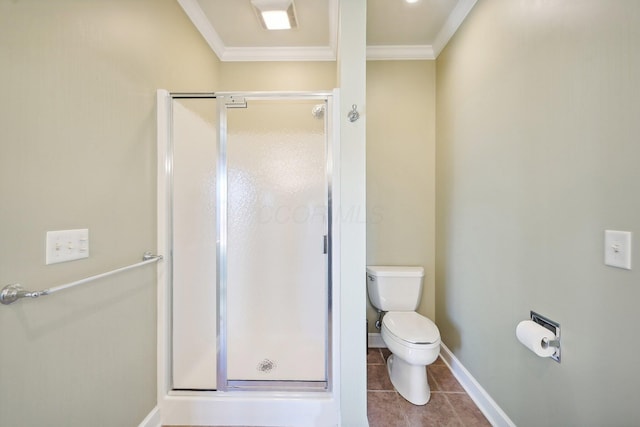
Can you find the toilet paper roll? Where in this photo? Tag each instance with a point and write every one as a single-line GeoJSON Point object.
{"type": "Point", "coordinates": [530, 334]}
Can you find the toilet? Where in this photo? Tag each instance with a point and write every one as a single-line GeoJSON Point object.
{"type": "Point", "coordinates": [413, 339]}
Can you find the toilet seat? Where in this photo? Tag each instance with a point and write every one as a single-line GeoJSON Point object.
{"type": "Point", "coordinates": [411, 329]}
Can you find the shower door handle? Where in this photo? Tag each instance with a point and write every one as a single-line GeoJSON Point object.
{"type": "Point", "coordinates": [325, 244]}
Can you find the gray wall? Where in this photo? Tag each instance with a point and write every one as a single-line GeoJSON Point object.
{"type": "Point", "coordinates": [537, 154]}
{"type": "Point", "coordinates": [77, 150]}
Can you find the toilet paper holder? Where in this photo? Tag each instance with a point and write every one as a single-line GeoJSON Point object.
{"type": "Point", "coordinates": [550, 343]}
{"type": "Point", "coordinates": [553, 327]}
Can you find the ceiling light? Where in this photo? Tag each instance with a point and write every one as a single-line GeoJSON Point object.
{"type": "Point", "coordinates": [275, 14]}
{"type": "Point", "coordinates": [412, 1]}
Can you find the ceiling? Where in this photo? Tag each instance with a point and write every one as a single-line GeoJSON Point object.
{"type": "Point", "coordinates": [395, 29]}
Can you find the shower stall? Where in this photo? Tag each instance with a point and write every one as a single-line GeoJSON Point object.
{"type": "Point", "coordinates": [247, 223]}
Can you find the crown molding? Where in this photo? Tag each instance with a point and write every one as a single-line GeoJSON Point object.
{"type": "Point", "coordinates": [453, 22]}
{"type": "Point", "coordinates": [203, 25]}
{"type": "Point", "coordinates": [325, 53]}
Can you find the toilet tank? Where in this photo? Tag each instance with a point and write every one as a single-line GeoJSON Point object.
{"type": "Point", "coordinates": [394, 288]}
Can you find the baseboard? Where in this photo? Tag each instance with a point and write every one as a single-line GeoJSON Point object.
{"type": "Point", "coordinates": [479, 395]}
{"type": "Point", "coordinates": [375, 340]}
{"type": "Point", "coordinates": [152, 420]}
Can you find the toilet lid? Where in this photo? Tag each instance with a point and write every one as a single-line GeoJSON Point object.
{"type": "Point", "coordinates": [412, 327]}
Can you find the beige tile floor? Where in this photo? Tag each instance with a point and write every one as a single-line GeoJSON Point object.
{"type": "Point", "coordinates": [449, 406]}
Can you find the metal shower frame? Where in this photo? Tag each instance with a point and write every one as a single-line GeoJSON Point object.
{"type": "Point", "coordinates": [238, 100]}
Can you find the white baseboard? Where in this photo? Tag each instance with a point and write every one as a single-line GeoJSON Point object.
{"type": "Point", "coordinates": [479, 395]}
{"type": "Point", "coordinates": [152, 420]}
{"type": "Point", "coordinates": [375, 340]}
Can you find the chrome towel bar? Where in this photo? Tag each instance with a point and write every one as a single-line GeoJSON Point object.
{"type": "Point", "coordinates": [14, 292]}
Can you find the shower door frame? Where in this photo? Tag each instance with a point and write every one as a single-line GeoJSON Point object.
{"type": "Point", "coordinates": [224, 383]}
{"type": "Point", "coordinates": [217, 407]}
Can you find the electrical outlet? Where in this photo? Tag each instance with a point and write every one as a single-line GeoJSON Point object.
{"type": "Point", "coordinates": [67, 245]}
{"type": "Point", "coordinates": [617, 249]}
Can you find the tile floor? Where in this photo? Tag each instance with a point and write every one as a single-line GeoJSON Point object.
{"type": "Point", "coordinates": [450, 406]}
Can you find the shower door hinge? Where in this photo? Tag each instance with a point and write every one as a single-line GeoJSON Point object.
{"type": "Point", "coordinates": [326, 244]}
{"type": "Point", "coordinates": [236, 102]}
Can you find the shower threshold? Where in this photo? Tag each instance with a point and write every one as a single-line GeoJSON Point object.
{"type": "Point", "coordinates": [277, 385]}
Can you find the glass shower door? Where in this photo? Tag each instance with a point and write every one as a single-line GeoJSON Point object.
{"type": "Point", "coordinates": [276, 279]}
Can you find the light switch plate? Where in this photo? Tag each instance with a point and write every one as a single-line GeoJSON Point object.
{"type": "Point", "coordinates": [67, 245]}
{"type": "Point", "coordinates": [617, 249]}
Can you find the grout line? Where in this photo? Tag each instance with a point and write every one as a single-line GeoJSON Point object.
{"type": "Point", "coordinates": [430, 375]}
{"type": "Point", "coordinates": [448, 392]}
{"type": "Point", "coordinates": [455, 411]}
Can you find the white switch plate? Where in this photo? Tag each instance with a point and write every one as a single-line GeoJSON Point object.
{"type": "Point", "coordinates": [617, 249]}
{"type": "Point", "coordinates": [67, 245]}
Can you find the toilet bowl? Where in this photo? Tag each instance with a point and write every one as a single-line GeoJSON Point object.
{"type": "Point", "coordinates": [413, 339]}
{"type": "Point", "coordinates": [414, 342]}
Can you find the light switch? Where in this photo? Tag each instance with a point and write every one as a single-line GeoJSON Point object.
{"type": "Point", "coordinates": [617, 249]}
{"type": "Point", "coordinates": [67, 245]}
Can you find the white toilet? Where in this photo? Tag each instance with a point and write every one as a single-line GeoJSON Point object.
{"type": "Point", "coordinates": [413, 340]}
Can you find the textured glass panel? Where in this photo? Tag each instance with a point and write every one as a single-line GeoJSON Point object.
{"type": "Point", "coordinates": [276, 266]}
{"type": "Point", "coordinates": [194, 243]}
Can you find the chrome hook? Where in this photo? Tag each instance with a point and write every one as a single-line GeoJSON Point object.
{"type": "Point", "coordinates": [353, 115]}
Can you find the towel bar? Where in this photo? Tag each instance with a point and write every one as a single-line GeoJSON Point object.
{"type": "Point", "coordinates": [14, 292]}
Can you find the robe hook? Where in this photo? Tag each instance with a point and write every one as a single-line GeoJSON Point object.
{"type": "Point", "coordinates": [353, 115]}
